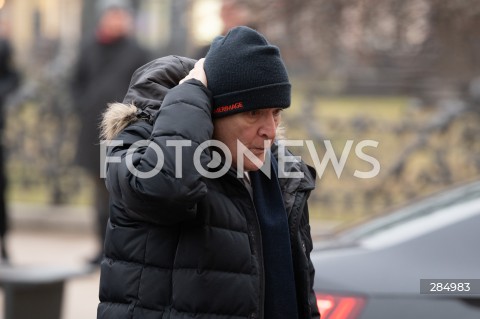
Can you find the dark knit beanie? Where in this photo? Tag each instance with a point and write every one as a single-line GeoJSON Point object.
{"type": "Point", "coordinates": [245, 73]}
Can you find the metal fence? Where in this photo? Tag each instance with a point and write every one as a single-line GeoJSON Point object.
{"type": "Point", "coordinates": [421, 148]}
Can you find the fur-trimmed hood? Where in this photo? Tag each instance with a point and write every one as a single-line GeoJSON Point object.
{"type": "Point", "coordinates": [148, 87]}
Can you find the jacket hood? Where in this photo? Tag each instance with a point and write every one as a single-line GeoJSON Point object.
{"type": "Point", "coordinates": [148, 87]}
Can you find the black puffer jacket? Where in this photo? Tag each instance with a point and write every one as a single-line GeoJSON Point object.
{"type": "Point", "coordinates": [187, 247]}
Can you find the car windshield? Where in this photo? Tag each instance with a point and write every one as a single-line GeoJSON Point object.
{"type": "Point", "coordinates": [416, 212]}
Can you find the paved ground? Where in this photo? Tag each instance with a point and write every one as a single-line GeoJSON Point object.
{"type": "Point", "coordinates": [60, 237]}
{"type": "Point", "coordinates": [45, 235]}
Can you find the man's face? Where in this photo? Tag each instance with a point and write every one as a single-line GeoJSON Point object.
{"type": "Point", "coordinates": [250, 128]}
{"type": "Point", "coordinates": [116, 23]}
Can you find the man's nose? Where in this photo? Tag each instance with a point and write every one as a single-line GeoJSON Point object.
{"type": "Point", "coordinates": [268, 127]}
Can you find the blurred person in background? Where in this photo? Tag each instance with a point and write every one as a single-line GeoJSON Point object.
{"type": "Point", "coordinates": [9, 81]}
{"type": "Point", "coordinates": [101, 75]}
{"type": "Point", "coordinates": [233, 13]}
{"type": "Point", "coordinates": [182, 244]}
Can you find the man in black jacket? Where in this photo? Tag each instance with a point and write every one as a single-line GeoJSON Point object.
{"type": "Point", "coordinates": [195, 234]}
{"type": "Point", "coordinates": [101, 76]}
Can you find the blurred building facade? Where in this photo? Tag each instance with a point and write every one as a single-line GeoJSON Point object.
{"type": "Point", "coordinates": [30, 20]}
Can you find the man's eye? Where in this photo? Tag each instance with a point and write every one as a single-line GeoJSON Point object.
{"type": "Point", "coordinates": [254, 113]}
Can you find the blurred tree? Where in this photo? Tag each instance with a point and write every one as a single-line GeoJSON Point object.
{"type": "Point", "coordinates": [178, 27]}
{"type": "Point", "coordinates": [88, 19]}
{"type": "Point", "coordinates": [378, 42]}
{"type": "Point", "coordinates": [454, 42]}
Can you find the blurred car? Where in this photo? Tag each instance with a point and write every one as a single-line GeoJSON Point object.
{"type": "Point", "coordinates": [373, 270]}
